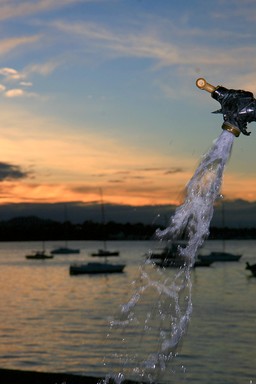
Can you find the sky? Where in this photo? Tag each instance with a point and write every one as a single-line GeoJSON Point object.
{"type": "Point", "coordinates": [101, 94]}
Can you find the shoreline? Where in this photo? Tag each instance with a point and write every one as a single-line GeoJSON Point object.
{"type": "Point", "coordinates": [16, 376]}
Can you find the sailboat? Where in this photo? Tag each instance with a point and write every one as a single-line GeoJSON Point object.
{"type": "Point", "coordinates": [220, 255]}
{"type": "Point", "coordinates": [93, 268]}
{"type": "Point", "coordinates": [65, 250]}
{"type": "Point", "coordinates": [39, 255]}
{"type": "Point", "coordinates": [104, 252]}
{"type": "Point", "coordinates": [105, 267]}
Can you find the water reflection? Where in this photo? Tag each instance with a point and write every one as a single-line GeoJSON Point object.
{"type": "Point", "coordinates": [52, 322]}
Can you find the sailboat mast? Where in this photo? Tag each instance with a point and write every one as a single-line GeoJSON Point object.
{"type": "Point", "coordinates": [66, 221]}
{"type": "Point", "coordinates": [223, 226]}
{"type": "Point", "coordinates": [103, 218]}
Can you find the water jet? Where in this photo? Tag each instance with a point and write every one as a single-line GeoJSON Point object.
{"type": "Point", "coordinates": [165, 323]}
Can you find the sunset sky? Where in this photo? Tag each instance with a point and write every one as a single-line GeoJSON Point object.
{"type": "Point", "coordinates": [101, 94]}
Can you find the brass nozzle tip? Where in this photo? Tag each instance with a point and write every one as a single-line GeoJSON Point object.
{"type": "Point", "coordinates": [202, 84]}
{"type": "Point", "coordinates": [231, 128]}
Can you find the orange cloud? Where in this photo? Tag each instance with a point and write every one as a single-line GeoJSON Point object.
{"type": "Point", "coordinates": [67, 163]}
{"type": "Point", "coordinates": [153, 190]}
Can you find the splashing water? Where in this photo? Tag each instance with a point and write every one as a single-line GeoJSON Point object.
{"type": "Point", "coordinates": [194, 215]}
{"type": "Point", "coordinates": [169, 295]}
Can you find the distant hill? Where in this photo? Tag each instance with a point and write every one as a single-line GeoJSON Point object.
{"type": "Point", "coordinates": [238, 213]}
{"type": "Point", "coordinates": [32, 228]}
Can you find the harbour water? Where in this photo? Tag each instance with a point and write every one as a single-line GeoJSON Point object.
{"type": "Point", "coordinates": [54, 322]}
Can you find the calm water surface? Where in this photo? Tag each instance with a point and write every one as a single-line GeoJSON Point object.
{"type": "Point", "coordinates": [51, 321]}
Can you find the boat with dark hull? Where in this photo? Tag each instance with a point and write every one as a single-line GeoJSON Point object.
{"type": "Point", "coordinates": [169, 252]}
{"type": "Point", "coordinates": [105, 253]}
{"type": "Point", "coordinates": [168, 257]}
{"type": "Point", "coordinates": [180, 262]}
{"type": "Point", "coordinates": [93, 268]}
{"type": "Point", "coordinates": [202, 263]}
{"type": "Point", "coordinates": [39, 255]}
{"type": "Point", "coordinates": [219, 256]}
{"type": "Point", "coordinates": [65, 251]}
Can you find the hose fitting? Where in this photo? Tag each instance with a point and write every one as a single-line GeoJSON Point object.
{"type": "Point", "coordinates": [238, 107]}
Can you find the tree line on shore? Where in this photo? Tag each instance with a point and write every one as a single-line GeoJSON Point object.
{"type": "Point", "coordinates": [33, 228]}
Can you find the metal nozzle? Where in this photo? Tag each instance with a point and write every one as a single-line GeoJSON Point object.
{"type": "Point", "coordinates": [238, 107]}
{"type": "Point", "coordinates": [231, 128]}
{"type": "Point", "coordinates": [202, 84]}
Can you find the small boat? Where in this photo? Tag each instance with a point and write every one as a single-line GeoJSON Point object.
{"type": "Point", "coordinates": [168, 257]}
{"type": "Point", "coordinates": [202, 263]}
{"type": "Point", "coordinates": [161, 254]}
{"type": "Point", "coordinates": [180, 262]}
{"type": "Point", "coordinates": [95, 268]}
{"type": "Point", "coordinates": [252, 268]}
{"type": "Point", "coordinates": [220, 256]}
{"type": "Point", "coordinates": [169, 252]}
{"type": "Point", "coordinates": [64, 251]}
{"type": "Point", "coordinates": [105, 253]}
{"type": "Point", "coordinates": [39, 255]}
{"type": "Point", "coordinates": [171, 263]}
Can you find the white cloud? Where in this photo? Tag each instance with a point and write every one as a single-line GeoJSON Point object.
{"type": "Point", "coordinates": [8, 71]}
{"type": "Point", "coordinates": [7, 45]}
{"type": "Point", "coordinates": [143, 45]}
{"type": "Point", "coordinates": [11, 74]}
{"type": "Point", "coordinates": [17, 92]}
{"type": "Point", "coordinates": [42, 68]}
{"type": "Point", "coordinates": [26, 83]}
{"type": "Point", "coordinates": [150, 44]}
{"type": "Point", "coordinates": [15, 8]}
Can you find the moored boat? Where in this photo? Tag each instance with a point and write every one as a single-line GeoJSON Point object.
{"type": "Point", "coordinates": [105, 253]}
{"type": "Point", "coordinates": [220, 256]}
{"type": "Point", "coordinates": [170, 251]}
{"type": "Point", "coordinates": [202, 263]}
{"type": "Point", "coordinates": [64, 251]}
{"type": "Point", "coordinates": [180, 262]}
{"type": "Point", "coordinates": [39, 255]}
{"type": "Point", "coordinates": [95, 268]}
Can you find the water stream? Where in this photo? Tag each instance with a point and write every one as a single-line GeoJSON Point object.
{"type": "Point", "coordinates": [165, 323]}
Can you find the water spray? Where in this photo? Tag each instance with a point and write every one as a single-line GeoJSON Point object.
{"type": "Point", "coordinates": [165, 322]}
{"type": "Point", "coordinates": [238, 107]}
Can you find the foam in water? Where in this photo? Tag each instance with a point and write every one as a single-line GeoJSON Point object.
{"type": "Point", "coordinates": [152, 324]}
